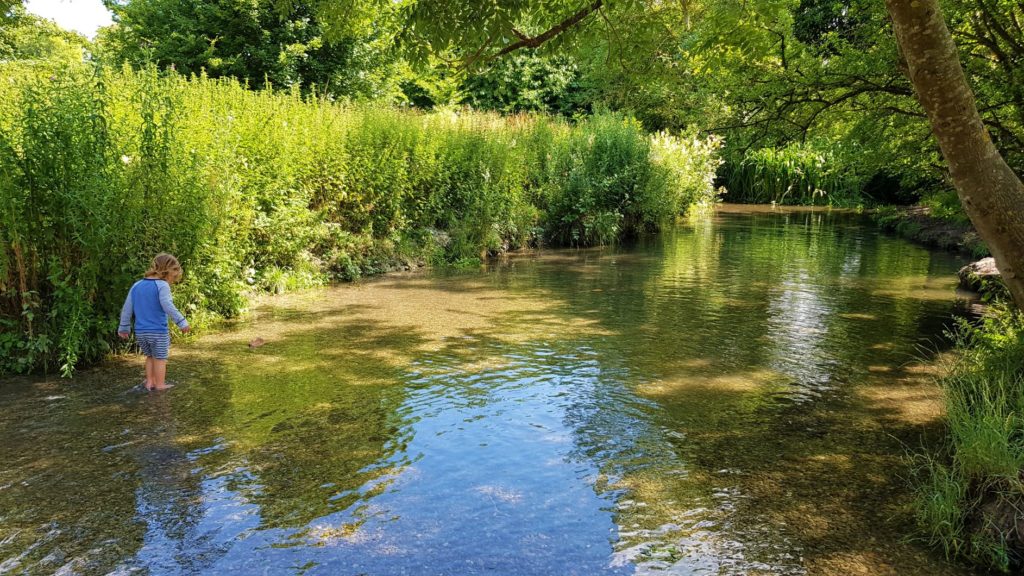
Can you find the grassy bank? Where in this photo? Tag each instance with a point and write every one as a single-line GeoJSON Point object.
{"type": "Point", "coordinates": [99, 170]}
{"type": "Point", "coordinates": [970, 497]}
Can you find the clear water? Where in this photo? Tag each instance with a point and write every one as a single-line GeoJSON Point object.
{"type": "Point", "coordinates": [734, 396]}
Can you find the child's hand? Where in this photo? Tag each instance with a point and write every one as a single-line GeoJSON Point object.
{"type": "Point", "coordinates": [186, 329]}
{"type": "Point", "coordinates": [123, 335]}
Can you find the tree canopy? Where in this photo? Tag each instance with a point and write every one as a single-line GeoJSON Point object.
{"type": "Point", "coordinates": [253, 40]}
{"type": "Point", "coordinates": [24, 36]}
{"type": "Point", "coordinates": [764, 73]}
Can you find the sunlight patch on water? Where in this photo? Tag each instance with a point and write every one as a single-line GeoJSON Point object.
{"type": "Point", "coordinates": [761, 380]}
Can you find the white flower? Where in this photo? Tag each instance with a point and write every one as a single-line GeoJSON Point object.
{"type": "Point", "coordinates": [126, 159]}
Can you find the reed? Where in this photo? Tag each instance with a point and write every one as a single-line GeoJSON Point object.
{"type": "Point", "coordinates": [795, 174]}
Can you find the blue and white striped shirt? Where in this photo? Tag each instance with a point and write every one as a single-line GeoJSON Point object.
{"type": "Point", "coordinates": [150, 301]}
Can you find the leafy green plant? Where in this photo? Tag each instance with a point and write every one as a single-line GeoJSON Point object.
{"type": "Point", "coordinates": [795, 174]}
{"type": "Point", "coordinates": [609, 179]}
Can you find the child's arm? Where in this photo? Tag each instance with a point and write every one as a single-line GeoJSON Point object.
{"type": "Point", "coordinates": [168, 305]}
{"type": "Point", "coordinates": [124, 328]}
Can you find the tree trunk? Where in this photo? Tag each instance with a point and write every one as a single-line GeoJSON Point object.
{"type": "Point", "coordinates": [992, 195]}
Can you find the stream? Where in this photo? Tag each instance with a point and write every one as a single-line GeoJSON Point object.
{"type": "Point", "coordinates": [735, 396]}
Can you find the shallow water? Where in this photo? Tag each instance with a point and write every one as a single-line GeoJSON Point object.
{"type": "Point", "coordinates": [731, 397]}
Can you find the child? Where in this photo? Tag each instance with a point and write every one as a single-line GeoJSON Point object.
{"type": "Point", "coordinates": [150, 301]}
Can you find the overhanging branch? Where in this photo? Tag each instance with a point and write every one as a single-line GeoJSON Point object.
{"type": "Point", "coordinates": [535, 41]}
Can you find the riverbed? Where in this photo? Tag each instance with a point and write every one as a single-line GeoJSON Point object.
{"type": "Point", "coordinates": [734, 396]}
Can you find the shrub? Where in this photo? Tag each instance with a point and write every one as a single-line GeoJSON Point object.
{"type": "Point", "coordinates": [603, 182]}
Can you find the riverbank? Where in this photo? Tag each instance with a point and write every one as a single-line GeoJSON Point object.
{"type": "Point", "coordinates": [970, 494]}
{"type": "Point", "coordinates": [918, 224]}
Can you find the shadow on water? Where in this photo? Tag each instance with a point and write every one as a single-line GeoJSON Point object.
{"type": "Point", "coordinates": [790, 400]}
{"type": "Point", "coordinates": [795, 419]}
{"type": "Point", "coordinates": [733, 397]}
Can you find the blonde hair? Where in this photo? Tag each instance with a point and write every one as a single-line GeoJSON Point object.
{"type": "Point", "coordinates": [165, 267]}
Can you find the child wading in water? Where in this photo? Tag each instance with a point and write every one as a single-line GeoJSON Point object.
{"type": "Point", "coordinates": [150, 301]}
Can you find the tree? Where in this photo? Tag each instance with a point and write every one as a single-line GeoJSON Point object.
{"type": "Point", "coordinates": [28, 37]}
{"type": "Point", "coordinates": [252, 40]}
{"type": "Point", "coordinates": [528, 82]}
{"type": "Point", "coordinates": [481, 31]}
{"type": "Point", "coordinates": [992, 194]}
{"type": "Point", "coordinates": [7, 8]}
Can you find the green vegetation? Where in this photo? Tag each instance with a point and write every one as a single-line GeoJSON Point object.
{"type": "Point", "coordinates": [273, 191]}
{"type": "Point", "coordinates": [937, 221]}
{"type": "Point", "coordinates": [768, 76]}
{"type": "Point", "coordinates": [528, 82]}
{"type": "Point", "coordinates": [829, 119]}
{"type": "Point", "coordinates": [969, 500]}
{"type": "Point", "coordinates": [829, 98]}
{"type": "Point", "coordinates": [278, 144]}
{"type": "Point", "coordinates": [254, 41]}
{"type": "Point", "coordinates": [26, 37]}
{"type": "Point", "coordinates": [795, 174]}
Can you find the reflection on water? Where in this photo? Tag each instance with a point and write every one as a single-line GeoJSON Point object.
{"type": "Point", "coordinates": [730, 397]}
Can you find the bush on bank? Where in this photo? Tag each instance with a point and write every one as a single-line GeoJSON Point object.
{"type": "Point", "coordinates": [101, 169]}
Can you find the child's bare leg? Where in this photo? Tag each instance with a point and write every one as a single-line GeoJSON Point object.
{"type": "Point", "coordinates": [159, 373]}
{"type": "Point", "coordinates": [149, 373]}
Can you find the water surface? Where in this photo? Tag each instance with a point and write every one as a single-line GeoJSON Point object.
{"type": "Point", "coordinates": [731, 397]}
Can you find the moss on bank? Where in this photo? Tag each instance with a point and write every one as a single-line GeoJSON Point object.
{"type": "Point", "coordinates": [922, 225]}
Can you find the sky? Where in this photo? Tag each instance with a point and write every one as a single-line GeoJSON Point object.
{"type": "Point", "coordinates": [82, 16]}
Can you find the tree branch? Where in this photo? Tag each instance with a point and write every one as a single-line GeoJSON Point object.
{"type": "Point", "coordinates": [994, 25]}
{"type": "Point", "coordinates": [535, 41]}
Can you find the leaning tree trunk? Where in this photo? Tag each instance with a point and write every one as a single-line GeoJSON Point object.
{"type": "Point", "coordinates": [992, 195]}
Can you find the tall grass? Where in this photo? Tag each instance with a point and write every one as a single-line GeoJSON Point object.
{"type": "Point", "coordinates": [970, 501]}
{"type": "Point", "coordinates": [795, 174]}
{"type": "Point", "coordinates": [101, 169]}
